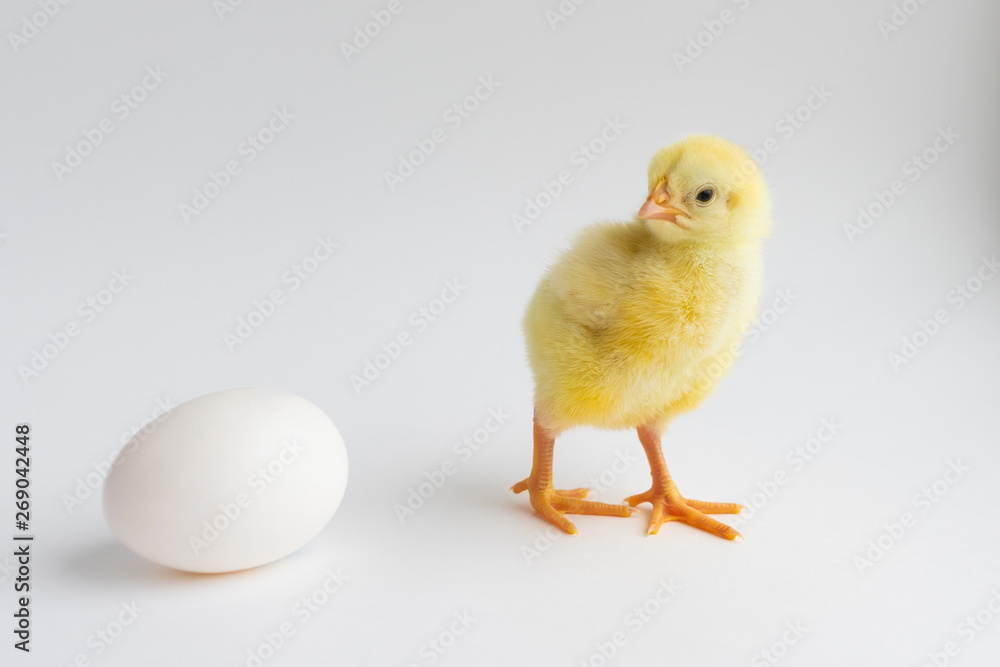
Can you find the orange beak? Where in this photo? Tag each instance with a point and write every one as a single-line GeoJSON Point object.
{"type": "Point", "coordinates": [657, 206]}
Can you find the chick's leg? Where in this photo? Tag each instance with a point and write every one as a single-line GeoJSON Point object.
{"type": "Point", "coordinates": [550, 503]}
{"type": "Point", "coordinates": [668, 503]}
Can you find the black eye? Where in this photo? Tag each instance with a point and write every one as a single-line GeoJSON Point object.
{"type": "Point", "coordinates": [706, 195]}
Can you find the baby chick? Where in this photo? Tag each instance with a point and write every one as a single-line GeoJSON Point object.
{"type": "Point", "coordinates": [636, 323]}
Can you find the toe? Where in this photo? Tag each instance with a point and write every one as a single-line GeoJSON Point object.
{"type": "Point", "coordinates": [656, 520]}
{"type": "Point", "coordinates": [544, 504]}
{"type": "Point", "coordinates": [715, 508]}
{"type": "Point", "coordinates": [645, 497]}
{"type": "Point", "coordinates": [693, 517]}
{"type": "Point", "coordinates": [578, 506]}
{"type": "Point", "coordinates": [554, 517]}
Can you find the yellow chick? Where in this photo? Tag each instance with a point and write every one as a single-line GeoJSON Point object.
{"type": "Point", "coordinates": [637, 322]}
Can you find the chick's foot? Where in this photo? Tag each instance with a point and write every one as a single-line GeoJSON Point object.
{"type": "Point", "coordinates": [669, 505]}
{"type": "Point", "coordinates": [552, 504]}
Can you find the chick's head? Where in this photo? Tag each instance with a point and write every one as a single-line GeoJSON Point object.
{"type": "Point", "coordinates": [706, 189]}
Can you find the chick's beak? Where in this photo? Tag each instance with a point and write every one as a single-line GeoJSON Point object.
{"type": "Point", "coordinates": [657, 206]}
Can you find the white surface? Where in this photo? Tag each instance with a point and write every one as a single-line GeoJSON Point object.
{"type": "Point", "coordinates": [824, 357]}
{"type": "Point", "coordinates": [227, 481]}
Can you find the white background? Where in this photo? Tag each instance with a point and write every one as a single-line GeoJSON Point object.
{"type": "Point", "coordinates": [473, 546]}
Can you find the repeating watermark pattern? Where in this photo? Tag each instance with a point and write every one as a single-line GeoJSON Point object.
{"type": "Point", "coordinates": [259, 481]}
{"type": "Point", "coordinates": [463, 449]}
{"type": "Point", "coordinates": [121, 108]}
{"type": "Point", "coordinates": [562, 12]}
{"type": "Point", "coordinates": [697, 44]}
{"type": "Point", "coordinates": [454, 116]}
{"type": "Point", "coordinates": [634, 621]}
{"type": "Point", "coordinates": [101, 639]}
{"type": "Point", "coordinates": [249, 314]}
{"type": "Point", "coordinates": [225, 7]}
{"type": "Point", "coordinates": [542, 539]}
{"type": "Point", "coordinates": [581, 158]}
{"type": "Point", "coordinates": [923, 502]}
{"type": "Point", "coordinates": [899, 16]}
{"type": "Point", "coordinates": [768, 316]}
{"type": "Point", "coordinates": [301, 612]}
{"type": "Point", "coordinates": [778, 649]}
{"type": "Point", "coordinates": [914, 167]}
{"type": "Point", "coordinates": [7, 569]}
{"type": "Point", "coordinates": [32, 23]}
{"type": "Point", "coordinates": [363, 35]}
{"type": "Point", "coordinates": [796, 459]}
{"type": "Point", "coordinates": [247, 151]}
{"type": "Point", "coordinates": [958, 297]}
{"type": "Point", "coordinates": [85, 487]}
{"type": "Point", "coordinates": [264, 308]}
{"type": "Point", "coordinates": [87, 311]}
{"type": "Point", "coordinates": [620, 465]}
{"type": "Point", "coordinates": [419, 321]}
{"type": "Point", "coordinates": [967, 630]}
{"type": "Point", "coordinates": [789, 124]}
{"type": "Point", "coordinates": [435, 647]}
{"type": "Point", "coordinates": [780, 304]}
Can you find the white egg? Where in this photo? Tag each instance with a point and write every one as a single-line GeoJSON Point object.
{"type": "Point", "coordinates": [227, 481]}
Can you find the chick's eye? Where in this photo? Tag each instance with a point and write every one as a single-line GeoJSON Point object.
{"type": "Point", "coordinates": [705, 195]}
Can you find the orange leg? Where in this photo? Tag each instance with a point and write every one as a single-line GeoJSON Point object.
{"type": "Point", "coordinates": [668, 503]}
{"type": "Point", "coordinates": [552, 504]}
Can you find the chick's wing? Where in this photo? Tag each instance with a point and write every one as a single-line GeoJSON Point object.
{"type": "Point", "coordinates": [593, 277]}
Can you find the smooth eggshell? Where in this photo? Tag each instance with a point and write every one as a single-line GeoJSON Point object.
{"type": "Point", "coordinates": [227, 481]}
